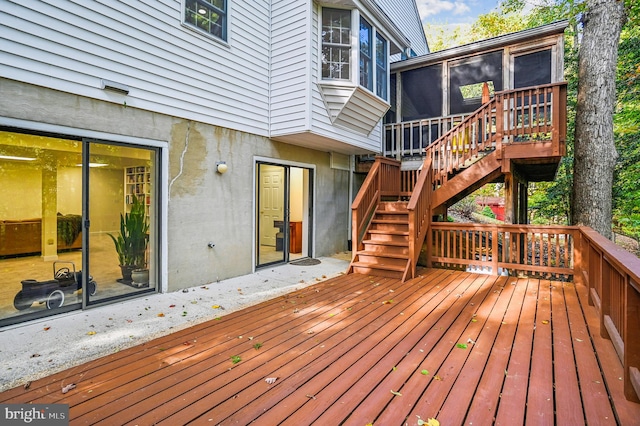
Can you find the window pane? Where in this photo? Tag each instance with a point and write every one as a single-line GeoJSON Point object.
{"type": "Point", "coordinates": [122, 242]}
{"type": "Point", "coordinates": [207, 15]}
{"type": "Point", "coordinates": [336, 43]}
{"type": "Point", "coordinates": [366, 60]}
{"type": "Point", "coordinates": [381, 67]}
{"type": "Point", "coordinates": [40, 226]}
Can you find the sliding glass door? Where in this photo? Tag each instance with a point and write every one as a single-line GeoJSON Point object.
{"type": "Point", "coordinates": [61, 202]}
{"type": "Point", "coordinates": [283, 213]}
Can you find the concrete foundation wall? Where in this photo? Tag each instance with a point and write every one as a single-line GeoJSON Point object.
{"type": "Point", "coordinates": [203, 205]}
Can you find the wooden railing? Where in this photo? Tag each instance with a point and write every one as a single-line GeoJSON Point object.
{"type": "Point", "coordinates": [383, 180]}
{"type": "Point", "coordinates": [524, 115]}
{"type": "Point", "coordinates": [544, 251]}
{"type": "Point", "coordinates": [419, 208]}
{"type": "Point", "coordinates": [409, 138]}
{"type": "Point", "coordinates": [612, 276]}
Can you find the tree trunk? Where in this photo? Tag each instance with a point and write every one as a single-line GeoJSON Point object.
{"type": "Point", "coordinates": [594, 151]}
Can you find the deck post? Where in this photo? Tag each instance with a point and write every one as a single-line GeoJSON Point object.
{"type": "Point", "coordinates": [631, 342]}
{"type": "Point", "coordinates": [494, 250]}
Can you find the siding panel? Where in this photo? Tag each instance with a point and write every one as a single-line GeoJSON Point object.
{"type": "Point", "coordinates": [169, 67]}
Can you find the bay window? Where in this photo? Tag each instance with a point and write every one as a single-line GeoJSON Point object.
{"type": "Point", "coordinates": [339, 45]}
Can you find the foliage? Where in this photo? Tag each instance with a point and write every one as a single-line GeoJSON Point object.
{"type": "Point", "coordinates": [131, 243]}
{"type": "Point", "coordinates": [465, 207]}
{"type": "Point", "coordinates": [486, 211]}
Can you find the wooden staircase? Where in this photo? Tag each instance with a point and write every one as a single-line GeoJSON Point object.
{"type": "Point", "coordinates": [386, 244]}
{"type": "Point", "coordinates": [525, 125]}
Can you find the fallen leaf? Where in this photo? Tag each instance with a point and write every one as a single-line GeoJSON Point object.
{"type": "Point", "coordinates": [172, 306]}
{"type": "Point", "coordinates": [470, 340]}
{"type": "Point", "coordinates": [311, 396]}
{"type": "Point", "coordinates": [194, 302]}
{"type": "Point", "coordinates": [394, 368]}
{"type": "Point", "coordinates": [184, 313]}
{"type": "Point", "coordinates": [257, 346]}
{"type": "Point", "coordinates": [432, 422]}
{"type": "Point", "coordinates": [47, 328]}
{"type": "Point", "coordinates": [27, 385]}
{"type": "Point", "coordinates": [68, 387]}
{"type": "Point", "coordinates": [129, 321]}
{"type": "Point", "coordinates": [437, 378]}
{"type": "Point", "coordinates": [216, 306]}
{"type": "Point", "coordinates": [424, 372]}
{"type": "Point", "coordinates": [271, 380]}
{"type": "Point", "coordinates": [461, 345]}
{"type": "Point", "coordinates": [579, 340]}
{"type": "Point", "coordinates": [236, 359]}
{"type": "Point", "coordinates": [545, 321]}
{"type": "Point", "coordinates": [387, 302]}
{"type": "Point", "coordinates": [91, 333]}
{"type": "Point", "coordinates": [474, 320]}
{"type": "Point", "coordinates": [396, 393]}
{"type": "Point", "coordinates": [204, 287]}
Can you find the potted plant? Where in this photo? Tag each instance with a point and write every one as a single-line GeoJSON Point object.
{"type": "Point", "coordinates": [131, 244]}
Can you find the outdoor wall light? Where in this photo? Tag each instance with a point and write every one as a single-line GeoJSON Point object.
{"type": "Point", "coordinates": [221, 167]}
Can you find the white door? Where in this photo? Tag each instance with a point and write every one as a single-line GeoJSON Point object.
{"type": "Point", "coordinates": [271, 203]}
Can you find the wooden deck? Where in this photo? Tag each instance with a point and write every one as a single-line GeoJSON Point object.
{"type": "Point", "coordinates": [459, 347]}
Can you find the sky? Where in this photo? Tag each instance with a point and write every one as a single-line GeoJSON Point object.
{"type": "Point", "coordinates": [453, 12]}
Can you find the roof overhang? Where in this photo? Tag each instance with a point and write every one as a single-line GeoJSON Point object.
{"type": "Point", "coordinates": [554, 28]}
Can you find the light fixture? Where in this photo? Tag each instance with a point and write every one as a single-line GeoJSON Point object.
{"type": "Point", "coordinates": [202, 11]}
{"type": "Point", "coordinates": [94, 165]}
{"type": "Point", "coordinates": [12, 157]}
{"type": "Point", "coordinates": [221, 167]}
{"type": "Point", "coordinates": [115, 87]}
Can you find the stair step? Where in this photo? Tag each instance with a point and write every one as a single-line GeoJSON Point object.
{"type": "Point", "coordinates": [379, 266]}
{"type": "Point", "coordinates": [388, 232]}
{"type": "Point", "coordinates": [393, 206]}
{"type": "Point", "coordinates": [395, 221]}
{"type": "Point", "coordinates": [404, 256]}
{"type": "Point", "coordinates": [386, 243]}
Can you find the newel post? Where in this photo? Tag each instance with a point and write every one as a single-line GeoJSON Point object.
{"type": "Point", "coordinates": [494, 250]}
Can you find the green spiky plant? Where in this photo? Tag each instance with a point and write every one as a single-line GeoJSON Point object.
{"type": "Point", "coordinates": [131, 244]}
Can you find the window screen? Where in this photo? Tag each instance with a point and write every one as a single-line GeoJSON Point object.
{"type": "Point", "coordinates": [466, 78]}
{"type": "Point", "coordinates": [422, 93]}
{"type": "Point", "coordinates": [532, 69]}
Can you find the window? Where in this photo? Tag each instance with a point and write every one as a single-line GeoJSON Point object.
{"type": "Point", "coordinates": [366, 60]}
{"type": "Point", "coordinates": [336, 44]}
{"type": "Point", "coordinates": [381, 66]}
{"type": "Point", "coordinates": [339, 42]}
{"type": "Point", "coordinates": [209, 16]}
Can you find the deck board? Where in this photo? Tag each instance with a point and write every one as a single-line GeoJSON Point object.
{"type": "Point", "coordinates": [339, 348]}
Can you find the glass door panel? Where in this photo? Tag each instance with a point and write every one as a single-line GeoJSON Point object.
{"type": "Point", "coordinates": [272, 236]}
{"type": "Point", "coordinates": [40, 226]}
{"type": "Point", "coordinates": [122, 238]}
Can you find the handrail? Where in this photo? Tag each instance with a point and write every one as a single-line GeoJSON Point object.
{"type": "Point", "coordinates": [419, 208]}
{"type": "Point", "coordinates": [612, 277]}
{"type": "Point", "coordinates": [530, 114]}
{"type": "Point", "coordinates": [382, 180]}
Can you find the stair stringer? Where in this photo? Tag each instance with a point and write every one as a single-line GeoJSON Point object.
{"type": "Point", "coordinates": [485, 170]}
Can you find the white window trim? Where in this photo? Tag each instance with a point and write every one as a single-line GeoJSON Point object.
{"type": "Point", "coordinates": [206, 35]}
{"type": "Point", "coordinates": [355, 52]}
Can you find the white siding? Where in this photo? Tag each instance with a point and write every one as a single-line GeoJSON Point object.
{"type": "Point", "coordinates": [169, 68]}
{"type": "Point", "coordinates": [404, 14]}
{"type": "Point", "coordinates": [290, 68]}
